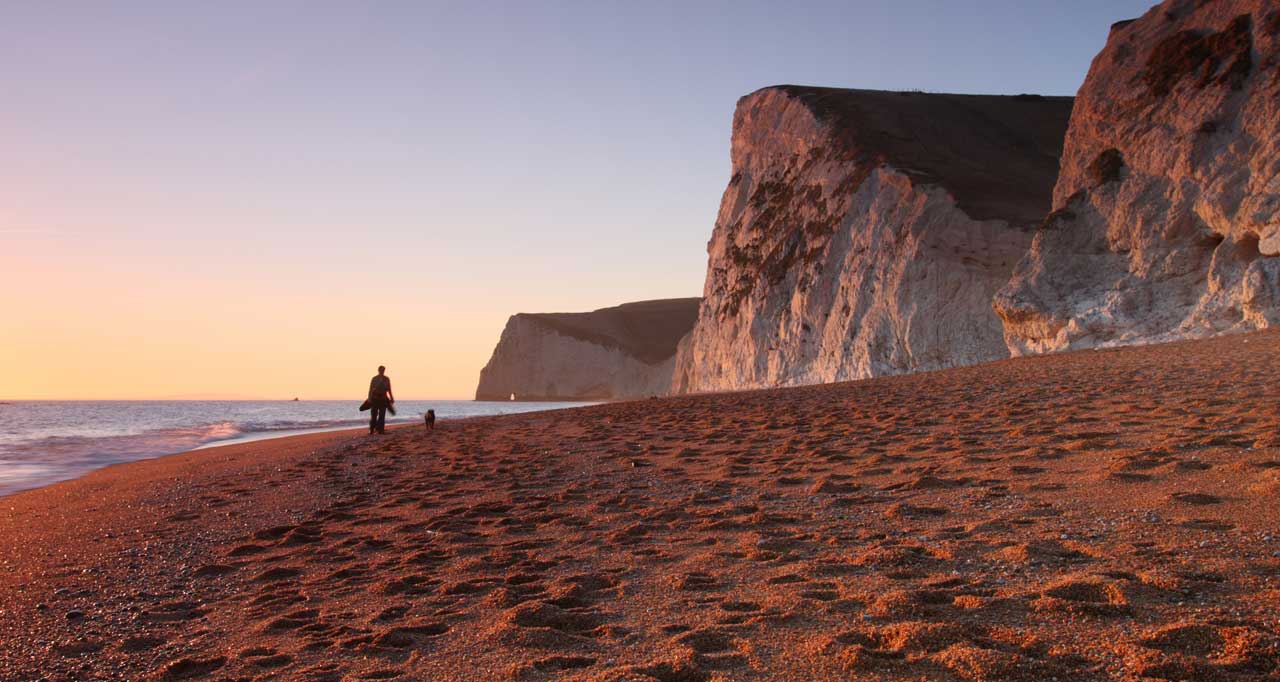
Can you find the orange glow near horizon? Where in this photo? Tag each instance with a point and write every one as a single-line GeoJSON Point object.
{"type": "Point", "coordinates": [69, 339]}
{"type": "Point", "coordinates": [97, 324]}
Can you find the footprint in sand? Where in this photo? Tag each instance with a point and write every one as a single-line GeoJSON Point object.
{"type": "Point", "coordinates": [215, 570]}
{"type": "Point", "coordinates": [1090, 596]}
{"type": "Point", "coordinates": [191, 668]}
{"type": "Point", "coordinates": [1195, 498]}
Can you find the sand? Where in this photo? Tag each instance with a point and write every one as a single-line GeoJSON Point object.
{"type": "Point", "coordinates": [1086, 516]}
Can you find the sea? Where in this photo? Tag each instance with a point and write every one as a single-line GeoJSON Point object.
{"type": "Point", "coordinates": [46, 441]}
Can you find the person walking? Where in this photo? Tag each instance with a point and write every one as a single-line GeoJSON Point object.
{"type": "Point", "coordinates": [380, 398]}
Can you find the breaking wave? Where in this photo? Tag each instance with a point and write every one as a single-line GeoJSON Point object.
{"type": "Point", "coordinates": [44, 442]}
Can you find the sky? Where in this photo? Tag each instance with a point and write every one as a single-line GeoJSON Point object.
{"type": "Point", "coordinates": [269, 199]}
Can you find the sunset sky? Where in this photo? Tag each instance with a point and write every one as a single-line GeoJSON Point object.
{"type": "Point", "coordinates": [269, 199]}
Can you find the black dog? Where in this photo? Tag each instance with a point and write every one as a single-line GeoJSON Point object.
{"type": "Point", "coordinates": [429, 420]}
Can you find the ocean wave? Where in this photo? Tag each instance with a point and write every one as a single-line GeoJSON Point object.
{"type": "Point", "coordinates": [40, 461]}
{"type": "Point", "coordinates": [165, 441]}
{"type": "Point", "coordinates": [199, 434]}
{"type": "Point", "coordinates": [49, 441]}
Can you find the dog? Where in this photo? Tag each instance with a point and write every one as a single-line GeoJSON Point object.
{"type": "Point", "coordinates": [429, 420]}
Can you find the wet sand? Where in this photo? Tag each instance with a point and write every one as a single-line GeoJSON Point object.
{"type": "Point", "coordinates": [1086, 516]}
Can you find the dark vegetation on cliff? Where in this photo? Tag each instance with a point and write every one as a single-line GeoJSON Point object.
{"type": "Point", "coordinates": [798, 241]}
{"type": "Point", "coordinates": [997, 155]}
{"type": "Point", "coordinates": [1200, 54]}
{"type": "Point", "coordinates": [646, 330]}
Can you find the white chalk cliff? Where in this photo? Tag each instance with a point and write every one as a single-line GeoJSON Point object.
{"type": "Point", "coordinates": [1167, 208]}
{"type": "Point", "coordinates": [864, 233]}
{"type": "Point", "coordinates": [626, 351]}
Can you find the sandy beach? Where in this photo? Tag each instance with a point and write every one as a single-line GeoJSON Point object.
{"type": "Point", "coordinates": [1085, 516]}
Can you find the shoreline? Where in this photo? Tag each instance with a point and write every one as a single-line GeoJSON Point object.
{"type": "Point", "coordinates": [259, 437]}
{"type": "Point", "coordinates": [186, 461]}
{"type": "Point", "coordinates": [1087, 516]}
{"type": "Point", "coordinates": [27, 468]}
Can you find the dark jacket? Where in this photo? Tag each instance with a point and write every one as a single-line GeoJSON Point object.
{"type": "Point", "coordinates": [380, 390]}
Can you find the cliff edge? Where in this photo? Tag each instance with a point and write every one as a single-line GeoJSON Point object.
{"type": "Point", "coordinates": [864, 233]}
{"type": "Point", "coordinates": [626, 351]}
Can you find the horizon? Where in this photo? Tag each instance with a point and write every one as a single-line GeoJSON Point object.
{"type": "Point", "coordinates": [353, 186]}
{"type": "Point", "coordinates": [216, 399]}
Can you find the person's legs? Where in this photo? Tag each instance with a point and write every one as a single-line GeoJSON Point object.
{"type": "Point", "coordinates": [382, 419]}
{"type": "Point", "coordinates": [374, 421]}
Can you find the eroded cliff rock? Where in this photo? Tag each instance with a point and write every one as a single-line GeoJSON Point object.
{"type": "Point", "coordinates": [1166, 218]}
{"type": "Point", "coordinates": [864, 233]}
{"type": "Point", "coordinates": [626, 351]}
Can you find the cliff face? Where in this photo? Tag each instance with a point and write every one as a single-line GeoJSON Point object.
{"type": "Point", "coordinates": [627, 351]}
{"type": "Point", "coordinates": [864, 233]}
{"type": "Point", "coordinates": [1167, 219]}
